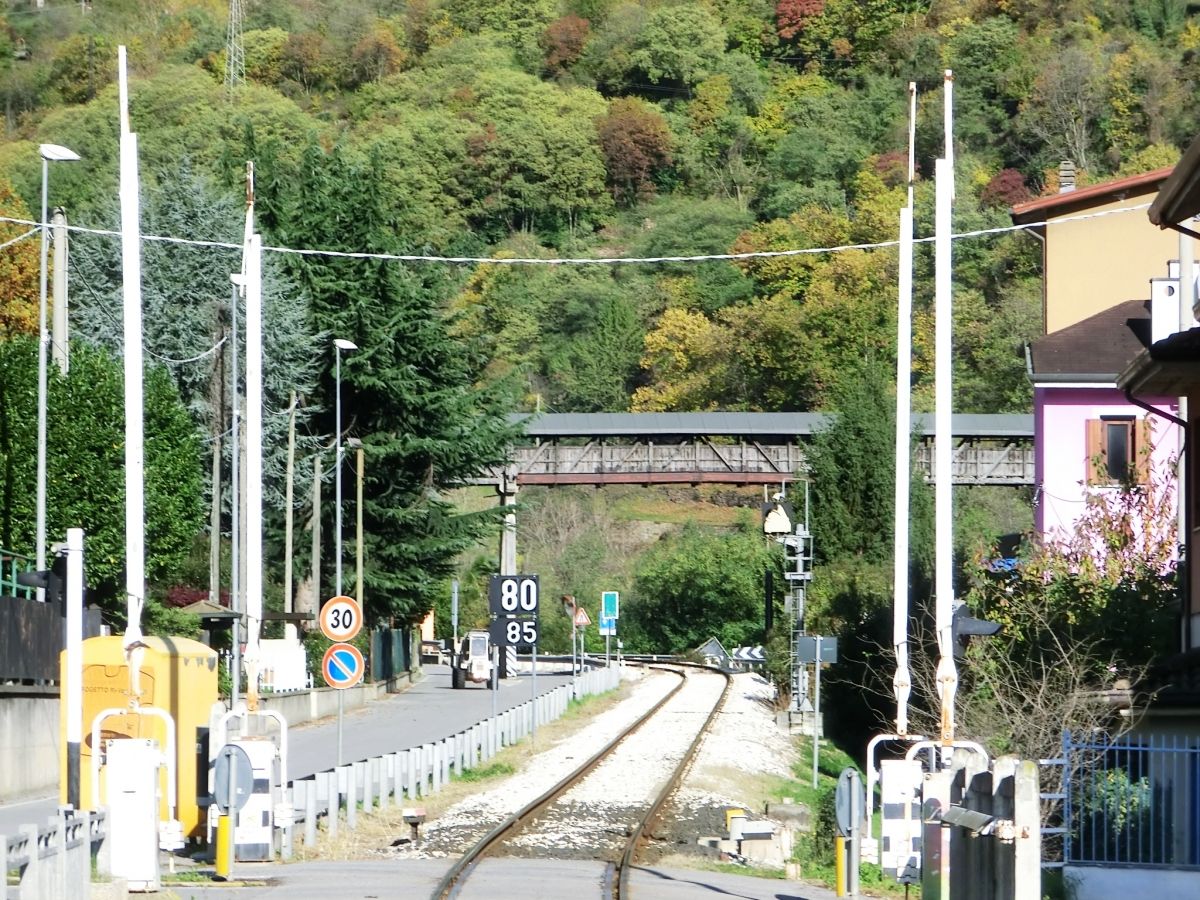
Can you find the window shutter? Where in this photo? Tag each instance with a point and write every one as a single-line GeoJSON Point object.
{"type": "Point", "coordinates": [1142, 447]}
{"type": "Point", "coordinates": [1094, 461]}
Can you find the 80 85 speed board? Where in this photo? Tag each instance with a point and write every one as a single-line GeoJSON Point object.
{"type": "Point", "coordinates": [513, 603]}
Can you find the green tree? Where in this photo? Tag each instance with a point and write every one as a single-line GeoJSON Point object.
{"type": "Point", "coordinates": [186, 312]}
{"type": "Point", "coordinates": [852, 478]}
{"type": "Point", "coordinates": [85, 471]}
{"type": "Point", "coordinates": [410, 392]}
{"type": "Point", "coordinates": [679, 44]}
{"type": "Point", "coordinates": [698, 584]}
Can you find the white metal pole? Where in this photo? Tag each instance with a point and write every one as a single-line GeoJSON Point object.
{"type": "Point", "coordinates": [288, 517]}
{"type": "Point", "coordinates": [902, 680]}
{"type": "Point", "coordinates": [337, 476]}
{"type": "Point", "coordinates": [60, 338]}
{"type": "Point", "coordinates": [131, 265]}
{"type": "Point", "coordinates": [337, 355]}
{"type": "Point", "coordinates": [948, 116]}
{"type": "Point", "coordinates": [902, 683]}
{"type": "Point", "coordinates": [253, 463]}
{"type": "Point", "coordinates": [947, 674]}
{"type": "Point", "coordinates": [43, 342]}
{"type": "Point", "coordinates": [74, 669]}
{"type": "Point", "coordinates": [235, 506]}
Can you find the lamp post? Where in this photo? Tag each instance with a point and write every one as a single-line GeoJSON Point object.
{"type": "Point", "coordinates": [339, 344]}
{"type": "Point", "coordinates": [49, 153]}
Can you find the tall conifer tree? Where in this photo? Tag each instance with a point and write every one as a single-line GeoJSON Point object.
{"type": "Point", "coordinates": [408, 393]}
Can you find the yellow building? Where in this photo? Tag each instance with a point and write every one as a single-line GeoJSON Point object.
{"type": "Point", "coordinates": [1082, 275]}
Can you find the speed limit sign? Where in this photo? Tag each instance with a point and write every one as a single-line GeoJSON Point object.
{"type": "Point", "coordinates": [341, 619]}
{"type": "Point", "coordinates": [513, 603]}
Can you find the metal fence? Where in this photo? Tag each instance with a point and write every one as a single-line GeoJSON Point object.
{"type": "Point", "coordinates": [1132, 801]}
{"type": "Point", "coordinates": [11, 565]}
{"type": "Point", "coordinates": [32, 635]}
{"type": "Point", "coordinates": [391, 653]}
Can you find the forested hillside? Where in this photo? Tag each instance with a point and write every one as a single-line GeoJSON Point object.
{"type": "Point", "coordinates": [598, 128]}
{"type": "Point", "coordinates": [576, 130]}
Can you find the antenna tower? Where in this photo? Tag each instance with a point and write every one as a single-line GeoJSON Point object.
{"type": "Point", "coordinates": [235, 53]}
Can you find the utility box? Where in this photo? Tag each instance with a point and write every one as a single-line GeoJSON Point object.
{"type": "Point", "coordinates": [900, 803]}
{"type": "Point", "coordinates": [179, 676]}
{"type": "Point", "coordinates": [132, 794]}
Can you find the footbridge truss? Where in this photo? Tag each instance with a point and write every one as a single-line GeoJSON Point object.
{"type": "Point", "coordinates": [738, 448]}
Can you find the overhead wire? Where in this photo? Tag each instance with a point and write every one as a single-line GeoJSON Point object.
{"type": "Point", "coordinates": [99, 304]}
{"type": "Point", "coordinates": [601, 261]}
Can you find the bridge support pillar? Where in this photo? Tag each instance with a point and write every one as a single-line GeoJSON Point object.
{"type": "Point", "coordinates": [507, 489]}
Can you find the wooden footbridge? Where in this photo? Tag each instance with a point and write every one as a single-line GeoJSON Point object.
{"type": "Point", "coordinates": [738, 448]}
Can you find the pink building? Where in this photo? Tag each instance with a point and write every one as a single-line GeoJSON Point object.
{"type": "Point", "coordinates": [1089, 435]}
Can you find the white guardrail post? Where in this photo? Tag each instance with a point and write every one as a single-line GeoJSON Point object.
{"type": "Point", "coordinates": [389, 779]}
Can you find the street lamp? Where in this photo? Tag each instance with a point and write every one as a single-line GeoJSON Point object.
{"type": "Point", "coordinates": [339, 344]}
{"type": "Point", "coordinates": [49, 153]}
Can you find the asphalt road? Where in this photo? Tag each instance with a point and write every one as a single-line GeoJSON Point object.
{"type": "Point", "coordinates": [426, 712]}
{"type": "Point", "coordinates": [510, 879]}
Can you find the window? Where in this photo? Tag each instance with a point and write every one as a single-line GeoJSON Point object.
{"type": "Point", "coordinates": [1118, 450]}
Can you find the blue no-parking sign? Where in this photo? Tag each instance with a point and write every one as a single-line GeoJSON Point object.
{"type": "Point", "coordinates": [342, 666]}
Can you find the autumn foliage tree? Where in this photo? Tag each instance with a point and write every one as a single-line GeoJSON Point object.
{"type": "Point", "coordinates": [376, 55]}
{"type": "Point", "coordinates": [19, 269]}
{"type": "Point", "coordinates": [563, 41]}
{"type": "Point", "coordinates": [636, 142]}
{"type": "Point", "coordinates": [792, 15]}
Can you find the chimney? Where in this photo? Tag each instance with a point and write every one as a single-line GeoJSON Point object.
{"type": "Point", "coordinates": [1066, 176]}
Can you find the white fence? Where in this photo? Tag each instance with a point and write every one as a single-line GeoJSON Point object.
{"type": "Point", "coordinates": [54, 861]}
{"type": "Point", "coordinates": [408, 775]}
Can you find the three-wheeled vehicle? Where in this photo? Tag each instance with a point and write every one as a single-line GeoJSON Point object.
{"type": "Point", "coordinates": [472, 661]}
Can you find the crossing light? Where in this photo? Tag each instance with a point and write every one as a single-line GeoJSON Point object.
{"type": "Point", "coordinates": [53, 580]}
{"type": "Point", "coordinates": [964, 626]}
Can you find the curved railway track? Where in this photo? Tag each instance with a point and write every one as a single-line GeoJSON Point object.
{"type": "Point", "coordinates": [536, 830]}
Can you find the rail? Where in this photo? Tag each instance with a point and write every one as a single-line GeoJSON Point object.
{"type": "Point", "coordinates": [621, 882]}
{"type": "Point", "coordinates": [461, 870]}
{"type": "Point", "coordinates": [406, 776]}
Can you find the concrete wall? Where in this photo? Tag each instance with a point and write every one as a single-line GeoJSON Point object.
{"type": "Point", "coordinates": [28, 742]}
{"type": "Point", "coordinates": [1113, 883]}
{"type": "Point", "coordinates": [307, 706]}
{"type": "Point", "coordinates": [29, 729]}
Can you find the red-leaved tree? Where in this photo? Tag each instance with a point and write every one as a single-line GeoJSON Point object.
{"type": "Point", "coordinates": [636, 142]}
{"type": "Point", "coordinates": [563, 41]}
{"type": "Point", "coordinates": [792, 15]}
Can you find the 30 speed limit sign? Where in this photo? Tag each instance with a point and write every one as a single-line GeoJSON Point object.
{"type": "Point", "coordinates": [341, 619]}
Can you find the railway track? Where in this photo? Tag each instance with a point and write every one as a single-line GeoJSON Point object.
{"type": "Point", "coordinates": [593, 821]}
